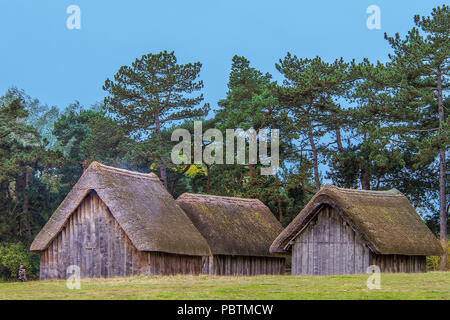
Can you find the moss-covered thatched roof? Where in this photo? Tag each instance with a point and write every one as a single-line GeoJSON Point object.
{"type": "Point", "coordinates": [385, 220]}
{"type": "Point", "coordinates": [141, 205]}
{"type": "Point", "coordinates": [232, 226]}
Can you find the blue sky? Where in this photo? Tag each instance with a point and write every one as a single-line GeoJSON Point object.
{"type": "Point", "coordinates": [58, 66]}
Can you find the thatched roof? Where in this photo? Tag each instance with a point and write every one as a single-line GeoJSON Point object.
{"type": "Point", "coordinates": [232, 226]}
{"type": "Point", "coordinates": [385, 220]}
{"type": "Point", "coordinates": [141, 205]}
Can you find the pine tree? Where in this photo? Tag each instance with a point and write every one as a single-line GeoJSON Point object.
{"type": "Point", "coordinates": [152, 93]}
{"type": "Point", "coordinates": [310, 90]}
{"type": "Point", "coordinates": [251, 103]}
{"type": "Point", "coordinates": [421, 63]}
{"type": "Point", "coordinates": [19, 149]}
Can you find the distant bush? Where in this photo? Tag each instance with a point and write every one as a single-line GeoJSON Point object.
{"type": "Point", "coordinates": [434, 262]}
{"type": "Point", "coordinates": [12, 255]}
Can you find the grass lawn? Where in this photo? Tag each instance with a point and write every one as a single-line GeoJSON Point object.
{"type": "Point", "coordinates": [433, 285]}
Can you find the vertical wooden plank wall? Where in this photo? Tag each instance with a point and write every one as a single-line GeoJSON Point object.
{"type": "Point", "coordinates": [242, 265]}
{"type": "Point", "coordinates": [399, 263]}
{"type": "Point", "coordinates": [93, 240]}
{"type": "Point", "coordinates": [172, 264]}
{"type": "Point", "coordinates": [329, 247]}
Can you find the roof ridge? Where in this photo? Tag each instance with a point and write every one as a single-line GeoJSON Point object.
{"type": "Point", "coordinates": [392, 192]}
{"type": "Point", "coordinates": [196, 195]}
{"type": "Point", "coordinates": [99, 166]}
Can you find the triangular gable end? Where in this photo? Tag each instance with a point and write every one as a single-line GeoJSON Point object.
{"type": "Point", "coordinates": [139, 203]}
{"type": "Point", "coordinates": [312, 217]}
{"type": "Point", "coordinates": [384, 220]}
{"type": "Point", "coordinates": [90, 212]}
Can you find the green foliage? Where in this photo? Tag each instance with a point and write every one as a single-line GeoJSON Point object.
{"type": "Point", "coordinates": [434, 262]}
{"type": "Point", "coordinates": [152, 93]}
{"type": "Point", "coordinates": [12, 255]}
{"type": "Point", "coordinates": [398, 126]}
{"type": "Point", "coordinates": [310, 95]}
{"type": "Point", "coordinates": [23, 152]}
{"type": "Point", "coordinates": [252, 102]}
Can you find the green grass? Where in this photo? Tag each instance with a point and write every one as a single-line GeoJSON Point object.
{"type": "Point", "coordinates": [433, 285]}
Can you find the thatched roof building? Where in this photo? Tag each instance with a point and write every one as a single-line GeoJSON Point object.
{"type": "Point", "coordinates": [239, 233]}
{"type": "Point", "coordinates": [379, 227]}
{"type": "Point", "coordinates": [111, 209]}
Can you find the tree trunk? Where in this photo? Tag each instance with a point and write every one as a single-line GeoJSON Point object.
{"type": "Point", "coordinates": [339, 140]}
{"type": "Point", "coordinates": [251, 168]}
{"type": "Point", "coordinates": [163, 172]}
{"type": "Point", "coordinates": [25, 187]}
{"type": "Point", "coordinates": [365, 180]}
{"type": "Point", "coordinates": [85, 164]}
{"type": "Point", "coordinates": [280, 209]}
{"type": "Point", "coordinates": [208, 181]}
{"type": "Point", "coordinates": [174, 181]}
{"type": "Point", "coordinates": [443, 208]}
{"type": "Point", "coordinates": [338, 133]}
{"type": "Point", "coordinates": [442, 179]}
{"type": "Point", "coordinates": [162, 165]}
{"type": "Point", "coordinates": [315, 156]}
{"type": "Point", "coordinates": [364, 175]}
{"type": "Point", "coordinates": [8, 190]}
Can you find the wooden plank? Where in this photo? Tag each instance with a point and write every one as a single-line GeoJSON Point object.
{"type": "Point", "coordinates": [60, 257]}
{"type": "Point", "coordinates": [351, 253]}
{"type": "Point", "coordinates": [71, 241]}
{"type": "Point", "coordinates": [103, 241]}
{"type": "Point", "coordinates": [55, 258]}
{"type": "Point", "coordinates": [85, 232]}
{"type": "Point", "coordinates": [96, 254]}
{"type": "Point", "coordinates": [299, 257]}
{"type": "Point", "coordinates": [50, 261]}
{"type": "Point", "coordinates": [333, 246]}
{"type": "Point", "coordinates": [329, 245]}
{"type": "Point", "coordinates": [94, 241]}
{"type": "Point", "coordinates": [310, 269]}
{"type": "Point", "coordinates": [78, 240]}
{"type": "Point", "coordinates": [41, 266]}
{"type": "Point", "coordinates": [128, 257]}
{"type": "Point", "coordinates": [339, 261]}
{"type": "Point", "coordinates": [65, 262]}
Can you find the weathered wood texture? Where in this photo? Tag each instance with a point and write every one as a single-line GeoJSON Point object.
{"type": "Point", "coordinates": [172, 264]}
{"type": "Point", "coordinates": [226, 265]}
{"type": "Point", "coordinates": [328, 246]}
{"type": "Point", "coordinates": [399, 263]}
{"type": "Point", "coordinates": [93, 240]}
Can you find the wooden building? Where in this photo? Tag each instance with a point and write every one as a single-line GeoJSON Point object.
{"type": "Point", "coordinates": [239, 233]}
{"type": "Point", "coordinates": [343, 231]}
{"type": "Point", "coordinates": [116, 222]}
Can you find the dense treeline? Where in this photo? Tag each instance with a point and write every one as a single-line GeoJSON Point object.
{"type": "Point", "coordinates": [364, 125]}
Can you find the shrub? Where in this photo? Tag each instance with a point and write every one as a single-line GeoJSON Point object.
{"type": "Point", "coordinates": [12, 255]}
{"type": "Point", "coordinates": [434, 262]}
